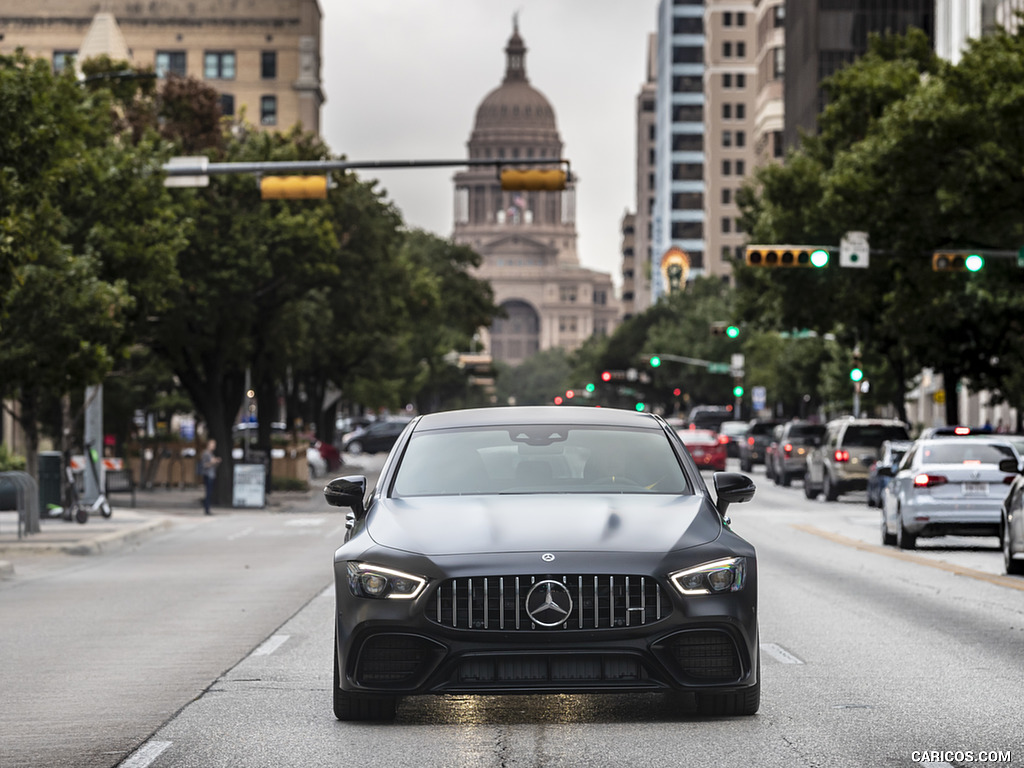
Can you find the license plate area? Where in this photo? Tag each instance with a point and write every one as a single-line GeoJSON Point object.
{"type": "Point", "coordinates": [975, 489]}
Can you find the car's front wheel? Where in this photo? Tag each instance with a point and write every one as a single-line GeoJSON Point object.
{"type": "Point", "coordinates": [828, 488]}
{"type": "Point", "coordinates": [1013, 566]}
{"type": "Point", "coordinates": [355, 448]}
{"type": "Point", "coordinates": [357, 706]}
{"type": "Point", "coordinates": [746, 702]}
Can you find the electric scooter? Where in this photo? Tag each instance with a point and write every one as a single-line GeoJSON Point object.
{"type": "Point", "coordinates": [74, 509]}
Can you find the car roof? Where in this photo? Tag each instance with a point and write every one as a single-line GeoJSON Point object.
{"type": "Point", "coordinates": [538, 414]}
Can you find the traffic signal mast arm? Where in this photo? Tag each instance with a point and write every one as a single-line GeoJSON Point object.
{"type": "Point", "coordinates": [513, 174]}
{"type": "Point", "coordinates": [712, 367]}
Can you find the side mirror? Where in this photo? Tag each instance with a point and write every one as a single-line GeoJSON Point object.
{"type": "Point", "coordinates": [732, 487]}
{"type": "Point", "coordinates": [1009, 465]}
{"type": "Point", "coordinates": [884, 470]}
{"type": "Point", "coordinates": [347, 492]}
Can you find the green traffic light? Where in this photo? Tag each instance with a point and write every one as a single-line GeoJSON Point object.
{"type": "Point", "coordinates": [856, 374]}
{"type": "Point", "coordinates": [974, 262]}
{"type": "Point", "coordinates": [590, 387]}
{"type": "Point", "coordinates": [732, 331]}
{"type": "Point", "coordinates": [655, 361]}
{"type": "Point", "coordinates": [819, 258]}
{"type": "Point", "coordinates": [640, 406]}
{"type": "Point", "coordinates": [737, 391]}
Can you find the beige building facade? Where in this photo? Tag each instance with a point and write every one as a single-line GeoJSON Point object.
{"type": "Point", "coordinates": [527, 239]}
{"type": "Point", "coordinates": [262, 56]}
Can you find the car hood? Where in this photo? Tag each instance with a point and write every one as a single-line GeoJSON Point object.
{"type": "Point", "coordinates": [438, 526]}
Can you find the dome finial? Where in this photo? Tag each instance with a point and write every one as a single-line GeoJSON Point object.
{"type": "Point", "coordinates": [516, 54]}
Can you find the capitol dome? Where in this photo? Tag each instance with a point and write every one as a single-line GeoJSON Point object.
{"type": "Point", "coordinates": [515, 109]}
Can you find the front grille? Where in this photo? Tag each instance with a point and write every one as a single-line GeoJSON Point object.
{"type": "Point", "coordinates": [707, 655]}
{"type": "Point", "coordinates": [392, 658]}
{"type": "Point", "coordinates": [597, 602]}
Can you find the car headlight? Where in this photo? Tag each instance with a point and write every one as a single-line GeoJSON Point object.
{"type": "Point", "coordinates": [711, 578]}
{"type": "Point", "coordinates": [373, 581]}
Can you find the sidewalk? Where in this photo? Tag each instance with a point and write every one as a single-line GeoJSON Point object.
{"type": "Point", "coordinates": [155, 510]}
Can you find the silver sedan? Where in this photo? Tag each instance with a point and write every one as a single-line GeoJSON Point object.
{"type": "Point", "coordinates": [947, 487]}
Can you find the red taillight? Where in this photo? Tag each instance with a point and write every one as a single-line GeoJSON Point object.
{"type": "Point", "coordinates": [962, 431]}
{"type": "Point", "coordinates": [1009, 479]}
{"type": "Point", "coordinates": [750, 441]}
{"type": "Point", "coordinates": [723, 439]}
{"type": "Point", "coordinates": [788, 449]}
{"type": "Point", "coordinates": [927, 481]}
{"type": "Point", "coordinates": [841, 455]}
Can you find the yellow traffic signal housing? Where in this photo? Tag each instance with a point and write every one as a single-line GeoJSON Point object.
{"type": "Point", "coordinates": [293, 188]}
{"type": "Point", "coordinates": [957, 261]}
{"type": "Point", "coordinates": [816, 256]}
{"type": "Point", "coordinates": [552, 179]}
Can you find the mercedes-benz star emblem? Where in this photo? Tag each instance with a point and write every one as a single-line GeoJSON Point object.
{"type": "Point", "coordinates": [548, 603]}
{"type": "Point", "coordinates": [547, 557]}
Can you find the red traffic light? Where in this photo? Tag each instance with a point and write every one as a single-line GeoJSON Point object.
{"type": "Point", "coordinates": [606, 376]}
{"type": "Point", "coordinates": [569, 394]}
{"type": "Point", "coordinates": [558, 399]}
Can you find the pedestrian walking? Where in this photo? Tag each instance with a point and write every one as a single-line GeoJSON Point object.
{"type": "Point", "coordinates": [208, 465]}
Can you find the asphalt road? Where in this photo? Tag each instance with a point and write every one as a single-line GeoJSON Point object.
{"type": "Point", "coordinates": [210, 646]}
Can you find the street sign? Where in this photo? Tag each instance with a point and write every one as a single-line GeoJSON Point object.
{"type": "Point", "coordinates": [758, 396]}
{"type": "Point", "coordinates": [854, 250]}
{"type": "Point", "coordinates": [718, 367]}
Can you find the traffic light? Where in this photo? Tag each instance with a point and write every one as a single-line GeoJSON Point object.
{"type": "Point", "coordinates": [787, 256]}
{"type": "Point", "coordinates": [293, 188]}
{"type": "Point", "coordinates": [655, 361]}
{"type": "Point", "coordinates": [732, 331]}
{"type": "Point", "coordinates": [737, 391]}
{"type": "Point", "coordinates": [718, 329]}
{"type": "Point", "coordinates": [856, 374]}
{"type": "Point", "coordinates": [606, 375]}
{"type": "Point", "coordinates": [590, 388]}
{"type": "Point", "coordinates": [553, 179]}
{"type": "Point", "coordinates": [957, 261]}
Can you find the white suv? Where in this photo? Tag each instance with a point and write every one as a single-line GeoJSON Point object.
{"type": "Point", "coordinates": [848, 450]}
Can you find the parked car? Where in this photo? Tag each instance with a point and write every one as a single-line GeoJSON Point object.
{"type": "Point", "coordinates": [1011, 525]}
{"type": "Point", "coordinates": [889, 455]}
{"type": "Point", "coordinates": [735, 432]}
{"type": "Point", "coordinates": [543, 550]}
{"type": "Point", "coordinates": [375, 438]}
{"type": "Point", "coordinates": [706, 447]}
{"type": "Point", "coordinates": [752, 449]}
{"type": "Point", "coordinates": [948, 486]}
{"type": "Point", "coordinates": [796, 439]}
{"type": "Point", "coordinates": [850, 446]}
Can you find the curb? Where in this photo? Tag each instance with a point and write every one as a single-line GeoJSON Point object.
{"type": "Point", "coordinates": [105, 542]}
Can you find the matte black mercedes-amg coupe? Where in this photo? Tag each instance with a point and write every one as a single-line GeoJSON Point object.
{"type": "Point", "coordinates": [543, 550]}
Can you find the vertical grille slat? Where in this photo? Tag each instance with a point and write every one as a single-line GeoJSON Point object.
{"type": "Point", "coordinates": [499, 602]}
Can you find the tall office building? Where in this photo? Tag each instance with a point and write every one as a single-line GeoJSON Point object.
{"type": "Point", "coordinates": [957, 21]}
{"type": "Point", "coordinates": [262, 56]}
{"type": "Point", "coordinates": [527, 240]}
{"type": "Point", "coordinates": [770, 65]}
{"type": "Point", "coordinates": [824, 35]}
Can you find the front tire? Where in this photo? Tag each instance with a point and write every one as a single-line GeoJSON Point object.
{"type": "Point", "coordinates": [357, 706]}
{"type": "Point", "coordinates": [355, 448]}
{"type": "Point", "coordinates": [829, 488]}
{"type": "Point", "coordinates": [744, 703]}
{"type": "Point", "coordinates": [1013, 566]}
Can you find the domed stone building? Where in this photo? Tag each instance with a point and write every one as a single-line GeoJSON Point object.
{"type": "Point", "coordinates": [527, 240]}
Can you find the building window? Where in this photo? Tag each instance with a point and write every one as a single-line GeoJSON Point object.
{"type": "Point", "coordinates": [739, 227]}
{"type": "Point", "coordinates": [726, 252]}
{"type": "Point", "coordinates": [726, 138]}
{"type": "Point", "coordinates": [778, 149]}
{"type": "Point", "coordinates": [63, 60]}
{"type": "Point", "coordinates": [651, 182]}
{"type": "Point", "coordinates": [687, 25]}
{"type": "Point", "coordinates": [268, 110]}
{"type": "Point", "coordinates": [600, 297]}
{"type": "Point", "coordinates": [741, 80]}
{"type": "Point", "coordinates": [778, 62]}
{"type": "Point", "coordinates": [687, 84]}
{"type": "Point", "coordinates": [170, 63]}
{"type": "Point", "coordinates": [727, 19]}
{"type": "Point", "coordinates": [689, 54]}
{"type": "Point", "coordinates": [687, 172]}
{"type": "Point", "coordinates": [726, 196]}
{"type": "Point", "coordinates": [741, 19]}
{"type": "Point", "coordinates": [652, 132]}
{"type": "Point", "coordinates": [779, 16]}
{"type": "Point", "coordinates": [726, 225]}
{"type": "Point", "coordinates": [687, 230]}
{"type": "Point", "coordinates": [688, 201]}
{"type": "Point", "coordinates": [227, 105]}
{"type": "Point", "coordinates": [688, 142]}
{"type": "Point", "coordinates": [741, 49]}
{"type": "Point", "coordinates": [726, 49]}
{"type": "Point", "coordinates": [268, 65]}
{"type": "Point", "coordinates": [741, 111]}
{"type": "Point", "coordinates": [726, 111]}
{"type": "Point", "coordinates": [567, 293]}
{"type": "Point", "coordinates": [741, 138]}
{"type": "Point", "coordinates": [688, 113]}
{"type": "Point", "coordinates": [727, 167]}
{"type": "Point", "coordinates": [727, 80]}
{"type": "Point", "coordinates": [740, 167]}
{"type": "Point", "coordinates": [219, 65]}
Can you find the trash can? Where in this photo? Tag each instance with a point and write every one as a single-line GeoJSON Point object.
{"type": "Point", "coordinates": [51, 471]}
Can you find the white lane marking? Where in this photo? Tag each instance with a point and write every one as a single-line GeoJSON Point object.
{"type": "Point", "coordinates": [240, 534]}
{"type": "Point", "coordinates": [146, 754]}
{"type": "Point", "coordinates": [270, 645]}
{"type": "Point", "coordinates": [306, 522]}
{"type": "Point", "coordinates": [779, 653]}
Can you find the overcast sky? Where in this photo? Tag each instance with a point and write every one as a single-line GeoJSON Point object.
{"type": "Point", "coordinates": [403, 80]}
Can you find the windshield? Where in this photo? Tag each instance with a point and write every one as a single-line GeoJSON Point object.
{"type": "Point", "coordinates": [873, 435]}
{"type": "Point", "coordinates": [539, 459]}
{"type": "Point", "coordinates": [965, 452]}
{"type": "Point", "coordinates": [806, 430]}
